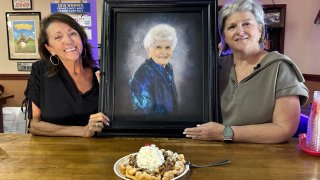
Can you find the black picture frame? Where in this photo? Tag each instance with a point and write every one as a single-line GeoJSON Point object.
{"type": "Point", "coordinates": [194, 63]}
{"type": "Point", "coordinates": [22, 4]}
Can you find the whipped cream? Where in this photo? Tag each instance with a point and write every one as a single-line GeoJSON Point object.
{"type": "Point", "coordinates": [150, 157]}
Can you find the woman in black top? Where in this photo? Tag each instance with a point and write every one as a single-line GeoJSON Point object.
{"type": "Point", "coordinates": [63, 88]}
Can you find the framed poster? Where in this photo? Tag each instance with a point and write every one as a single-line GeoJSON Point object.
{"type": "Point", "coordinates": [158, 66]}
{"type": "Point", "coordinates": [22, 32]}
{"type": "Point", "coordinates": [21, 4]}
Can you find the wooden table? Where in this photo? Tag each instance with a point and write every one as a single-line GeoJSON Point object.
{"type": "Point", "coordinates": [3, 100]}
{"type": "Point", "coordinates": [35, 157]}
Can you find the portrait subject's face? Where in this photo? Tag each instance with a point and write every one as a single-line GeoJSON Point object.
{"type": "Point", "coordinates": [161, 52]}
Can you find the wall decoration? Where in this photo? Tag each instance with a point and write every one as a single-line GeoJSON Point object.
{"type": "Point", "coordinates": [21, 4]}
{"type": "Point", "coordinates": [24, 66]}
{"type": "Point", "coordinates": [74, 8]}
{"type": "Point", "coordinates": [193, 63]}
{"type": "Point", "coordinates": [275, 17]}
{"type": "Point", "coordinates": [22, 32]}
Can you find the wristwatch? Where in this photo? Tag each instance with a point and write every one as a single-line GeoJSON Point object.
{"type": "Point", "coordinates": [227, 134]}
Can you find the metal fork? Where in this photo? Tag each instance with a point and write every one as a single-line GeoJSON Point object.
{"type": "Point", "coordinates": [218, 163]}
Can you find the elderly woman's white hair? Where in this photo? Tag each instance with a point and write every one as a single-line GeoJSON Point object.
{"type": "Point", "coordinates": [160, 32]}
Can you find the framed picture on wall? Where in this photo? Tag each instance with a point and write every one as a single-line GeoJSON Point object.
{"type": "Point", "coordinates": [22, 33]}
{"type": "Point", "coordinates": [275, 17]}
{"type": "Point", "coordinates": [24, 66]}
{"type": "Point", "coordinates": [158, 66]}
{"type": "Point", "coordinates": [21, 4]}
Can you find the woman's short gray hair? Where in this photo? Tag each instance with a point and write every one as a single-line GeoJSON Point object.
{"type": "Point", "coordinates": [160, 32]}
{"type": "Point", "coordinates": [233, 6]}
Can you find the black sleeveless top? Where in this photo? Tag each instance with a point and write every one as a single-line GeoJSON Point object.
{"type": "Point", "coordinates": [58, 98]}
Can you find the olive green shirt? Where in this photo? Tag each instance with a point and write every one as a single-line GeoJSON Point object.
{"type": "Point", "coordinates": [252, 100]}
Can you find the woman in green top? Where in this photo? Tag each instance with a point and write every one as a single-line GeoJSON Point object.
{"type": "Point", "coordinates": [260, 92]}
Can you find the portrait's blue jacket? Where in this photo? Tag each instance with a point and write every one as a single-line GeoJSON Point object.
{"type": "Point", "coordinates": [153, 89]}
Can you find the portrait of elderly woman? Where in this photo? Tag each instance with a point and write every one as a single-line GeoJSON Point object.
{"type": "Point", "coordinates": [153, 89]}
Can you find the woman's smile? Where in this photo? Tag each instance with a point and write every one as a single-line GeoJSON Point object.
{"type": "Point", "coordinates": [70, 49]}
{"type": "Point", "coordinates": [64, 41]}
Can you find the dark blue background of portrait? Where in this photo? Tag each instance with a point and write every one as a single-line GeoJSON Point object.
{"type": "Point", "coordinates": [187, 60]}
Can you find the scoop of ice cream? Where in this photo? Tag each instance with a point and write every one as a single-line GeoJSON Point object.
{"type": "Point", "coordinates": [150, 157]}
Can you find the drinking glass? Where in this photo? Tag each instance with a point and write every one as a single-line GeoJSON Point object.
{"type": "Point", "coordinates": [313, 131]}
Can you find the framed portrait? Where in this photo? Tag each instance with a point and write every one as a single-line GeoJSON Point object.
{"type": "Point", "coordinates": [22, 32]}
{"type": "Point", "coordinates": [21, 4]}
{"type": "Point", "coordinates": [275, 17]}
{"type": "Point", "coordinates": [158, 66]}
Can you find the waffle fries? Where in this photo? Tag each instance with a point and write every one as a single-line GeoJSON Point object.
{"type": "Point", "coordinates": [172, 167]}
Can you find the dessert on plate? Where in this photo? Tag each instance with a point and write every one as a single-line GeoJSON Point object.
{"type": "Point", "coordinates": [152, 163]}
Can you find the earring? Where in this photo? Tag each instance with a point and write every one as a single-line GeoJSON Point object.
{"type": "Point", "coordinates": [85, 54]}
{"type": "Point", "coordinates": [54, 59]}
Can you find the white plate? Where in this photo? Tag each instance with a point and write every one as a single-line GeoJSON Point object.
{"type": "Point", "coordinates": [116, 168]}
